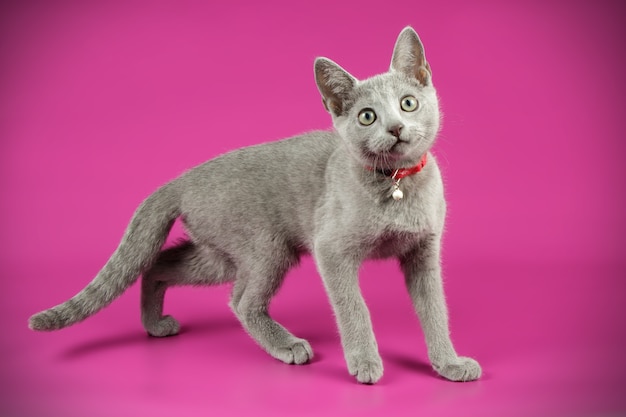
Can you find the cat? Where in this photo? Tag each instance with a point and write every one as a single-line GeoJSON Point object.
{"type": "Point", "coordinates": [368, 189]}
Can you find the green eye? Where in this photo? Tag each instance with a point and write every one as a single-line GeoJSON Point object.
{"type": "Point", "coordinates": [408, 103]}
{"type": "Point", "coordinates": [367, 117]}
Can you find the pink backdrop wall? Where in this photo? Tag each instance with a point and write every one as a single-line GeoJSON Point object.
{"type": "Point", "coordinates": [101, 102]}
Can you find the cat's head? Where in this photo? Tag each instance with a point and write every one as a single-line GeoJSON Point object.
{"type": "Point", "coordinates": [390, 120]}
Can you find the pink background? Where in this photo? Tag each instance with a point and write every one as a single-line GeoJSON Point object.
{"type": "Point", "coordinates": [101, 102]}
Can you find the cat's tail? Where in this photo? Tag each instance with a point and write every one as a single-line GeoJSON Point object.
{"type": "Point", "coordinates": [138, 249]}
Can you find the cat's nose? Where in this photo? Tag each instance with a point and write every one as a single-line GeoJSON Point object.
{"type": "Point", "coordinates": [396, 129]}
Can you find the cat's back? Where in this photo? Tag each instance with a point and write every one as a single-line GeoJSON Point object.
{"type": "Point", "coordinates": [297, 158]}
{"type": "Point", "coordinates": [275, 185]}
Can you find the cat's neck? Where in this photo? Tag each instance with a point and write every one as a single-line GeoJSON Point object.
{"type": "Point", "coordinates": [401, 172]}
{"type": "Point", "coordinates": [379, 183]}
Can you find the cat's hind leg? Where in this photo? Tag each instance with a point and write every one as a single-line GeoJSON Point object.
{"type": "Point", "coordinates": [152, 295]}
{"type": "Point", "coordinates": [253, 290]}
{"type": "Point", "coordinates": [184, 264]}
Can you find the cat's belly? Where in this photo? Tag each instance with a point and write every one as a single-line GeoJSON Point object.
{"type": "Point", "coordinates": [392, 244]}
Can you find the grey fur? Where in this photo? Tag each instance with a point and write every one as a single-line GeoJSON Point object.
{"type": "Point", "coordinates": [250, 214]}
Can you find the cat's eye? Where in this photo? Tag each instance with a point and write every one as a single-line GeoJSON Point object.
{"type": "Point", "coordinates": [367, 117]}
{"type": "Point", "coordinates": [409, 103]}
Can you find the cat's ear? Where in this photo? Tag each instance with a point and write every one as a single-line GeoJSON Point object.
{"type": "Point", "coordinates": [408, 57]}
{"type": "Point", "coordinates": [334, 83]}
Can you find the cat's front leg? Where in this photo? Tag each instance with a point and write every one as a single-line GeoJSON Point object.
{"type": "Point", "coordinates": [339, 271]}
{"type": "Point", "coordinates": [423, 279]}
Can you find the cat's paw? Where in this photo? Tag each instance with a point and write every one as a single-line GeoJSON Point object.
{"type": "Point", "coordinates": [165, 326]}
{"type": "Point", "coordinates": [461, 369]}
{"type": "Point", "coordinates": [298, 353]}
{"type": "Point", "coordinates": [368, 369]}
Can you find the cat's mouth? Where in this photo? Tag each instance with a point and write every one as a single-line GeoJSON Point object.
{"type": "Point", "coordinates": [393, 150]}
{"type": "Point", "coordinates": [400, 148]}
{"type": "Point", "coordinates": [394, 154]}
{"type": "Point", "coordinates": [384, 159]}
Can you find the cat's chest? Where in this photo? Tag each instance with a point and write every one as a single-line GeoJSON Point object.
{"type": "Point", "coordinates": [389, 228]}
{"type": "Point", "coordinates": [419, 210]}
{"type": "Point", "coordinates": [362, 216]}
{"type": "Point", "coordinates": [397, 227]}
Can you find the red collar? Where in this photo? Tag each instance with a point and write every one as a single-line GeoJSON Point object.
{"type": "Point", "coordinates": [400, 173]}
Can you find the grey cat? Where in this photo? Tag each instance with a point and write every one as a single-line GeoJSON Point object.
{"type": "Point", "coordinates": [369, 189]}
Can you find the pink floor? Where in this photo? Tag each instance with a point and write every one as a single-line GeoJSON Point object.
{"type": "Point", "coordinates": [553, 357]}
{"type": "Point", "coordinates": [101, 102]}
